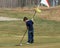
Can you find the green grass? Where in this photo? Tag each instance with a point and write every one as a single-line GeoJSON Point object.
{"type": "Point", "coordinates": [46, 32]}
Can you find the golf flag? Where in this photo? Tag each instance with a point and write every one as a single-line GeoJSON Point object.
{"type": "Point", "coordinates": [37, 9]}
{"type": "Point", "coordinates": [45, 2]}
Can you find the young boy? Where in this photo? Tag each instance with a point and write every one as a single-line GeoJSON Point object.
{"type": "Point", "coordinates": [29, 25]}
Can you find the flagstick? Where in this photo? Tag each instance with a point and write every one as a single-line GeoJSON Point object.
{"type": "Point", "coordinates": [33, 16]}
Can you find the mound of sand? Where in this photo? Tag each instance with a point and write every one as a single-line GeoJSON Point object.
{"type": "Point", "coordinates": [52, 13]}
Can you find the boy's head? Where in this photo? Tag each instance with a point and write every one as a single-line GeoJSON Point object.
{"type": "Point", "coordinates": [25, 18]}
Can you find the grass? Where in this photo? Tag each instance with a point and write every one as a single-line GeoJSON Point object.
{"type": "Point", "coordinates": [46, 33]}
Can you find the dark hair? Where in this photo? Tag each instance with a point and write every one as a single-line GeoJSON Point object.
{"type": "Point", "coordinates": [25, 18]}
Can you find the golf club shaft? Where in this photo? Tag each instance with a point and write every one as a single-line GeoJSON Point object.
{"type": "Point", "coordinates": [22, 37]}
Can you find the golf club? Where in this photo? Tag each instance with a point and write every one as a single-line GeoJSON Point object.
{"type": "Point", "coordinates": [20, 44]}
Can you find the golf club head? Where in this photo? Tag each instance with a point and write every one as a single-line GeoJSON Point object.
{"type": "Point", "coordinates": [19, 45]}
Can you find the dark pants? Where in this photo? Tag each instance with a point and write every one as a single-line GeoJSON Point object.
{"type": "Point", "coordinates": [30, 37]}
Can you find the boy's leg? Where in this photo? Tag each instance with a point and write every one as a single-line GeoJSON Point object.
{"type": "Point", "coordinates": [30, 37]}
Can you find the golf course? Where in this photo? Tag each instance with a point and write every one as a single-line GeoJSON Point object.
{"type": "Point", "coordinates": [46, 28]}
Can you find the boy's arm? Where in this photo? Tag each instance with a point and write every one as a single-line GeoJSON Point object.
{"type": "Point", "coordinates": [27, 26]}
